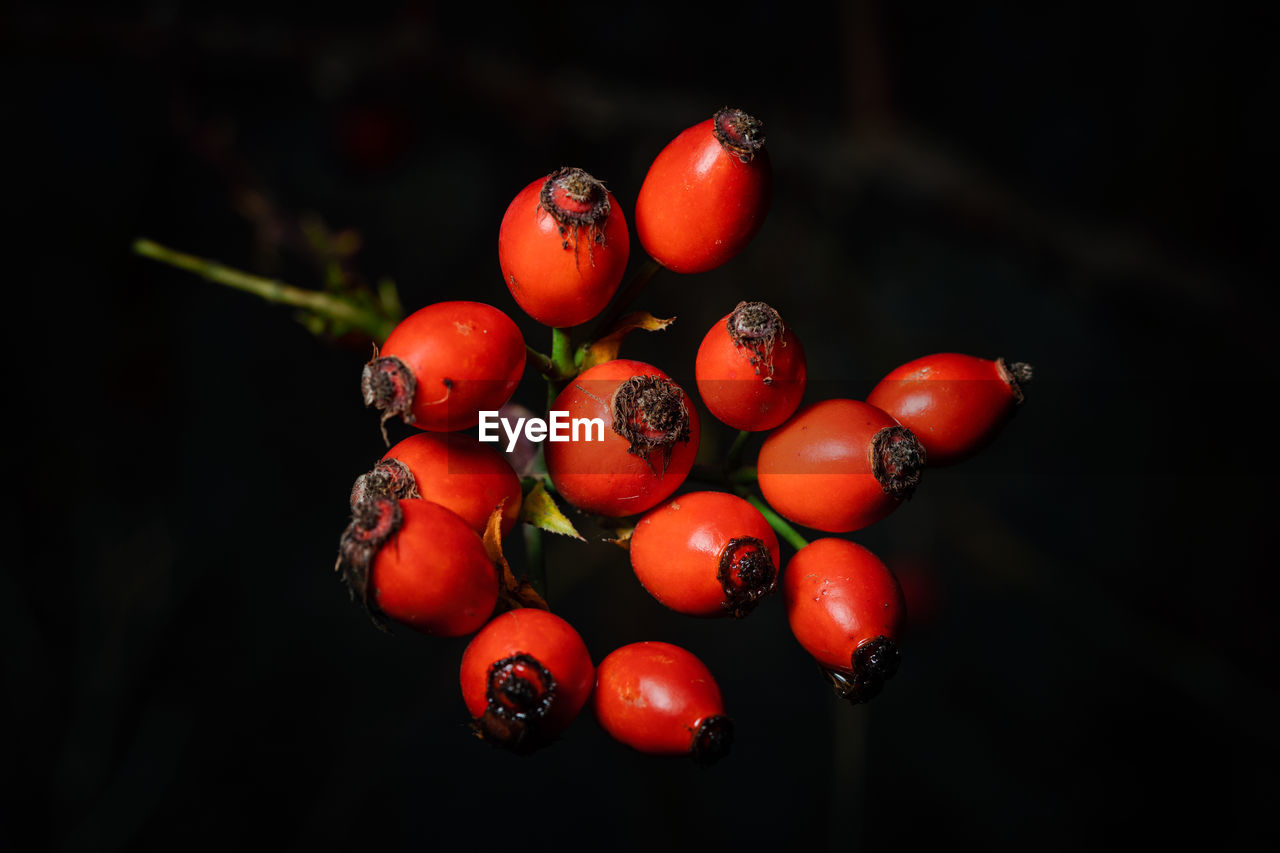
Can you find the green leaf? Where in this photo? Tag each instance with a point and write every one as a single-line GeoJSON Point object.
{"type": "Point", "coordinates": [540, 510]}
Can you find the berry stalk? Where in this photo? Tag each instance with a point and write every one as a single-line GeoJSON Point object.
{"type": "Point", "coordinates": [376, 320]}
{"type": "Point", "coordinates": [535, 560]}
{"type": "Point", "coordinates": [627, 294]}
{"type": "Point", "coordinates": [735, 450]}
{"type": "Point", "coordinates": [777, 522]}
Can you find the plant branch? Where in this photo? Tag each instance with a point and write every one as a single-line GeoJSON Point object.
{"type": "Point", "coordinates": [562, 354]}
{"type": "Point", "coordinates": [338, 308]}
{"type": "Point", "coordinates": [626, 295]}
{"type": "Point", "coordinates": [777, 522]}
{"type": "Point", "coordinates": [535, 562]}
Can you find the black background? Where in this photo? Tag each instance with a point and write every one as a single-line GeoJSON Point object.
{"type": "Point", "coordinates": [1092, 653]}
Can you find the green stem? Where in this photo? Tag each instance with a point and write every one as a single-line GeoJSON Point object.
{"type": "Point", "coordinates": [536, 561]}
{"type": "Point", "coordinates": [540, 361]}
{"type": "Point", "coordinates": [735, 450]}
{"type": "Point", "coordinates": [626, 295]}
{"type": "Point", "coordinates": [562, 353]}
{"type": "Point", "coordinates": [318, 302]}
{"type": "Point", "coordinates": [562, 366]}
{"type": "Point", "coordinates": [745, 474]}
{"type": "Point", "coordinates": [777, 522]}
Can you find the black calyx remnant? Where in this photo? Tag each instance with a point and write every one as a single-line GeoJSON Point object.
{"type": "Point", "coordinates": [576, 201]}
{"type": "Point", "coordinates": [746, 573]}
{"type": "Point", "coordinates": [738, 133]}
{"type": "Point", "coordinates": [756, 327]}
{"type": "Point", "coordinates": [390, 478]}
{"type": "Point", "coordinates": [1017, 374]}
{"type": "Point", "coordinates": [651, 414]}
{"type": "Point", "coordinates": [388, 384]}
{"type": "Point", "coordinates": [874, 662]}
{"type": "Point", "coordinates": [374, 520]}
{"type": "Point", "coordinates": [712, 739]}
{"type": "Point", "coordinates": [896, 459]}
{"type": "Point", "coordinates": [519, 694]}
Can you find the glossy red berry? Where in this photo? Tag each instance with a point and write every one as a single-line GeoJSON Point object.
{"type": "Point", "coordinates": [452, 469]}
{"type": "Point", "coordinates": [525, 677]}
{"type": "Point", "coordinates": [846, 609]}
{"type": "Point", "coordinates": [660, 699]}
{"type": "Point", "coordinates": [751, 369]}
{"type": "Point", "coordinates": [445, 363]}
{"type": "Point", "coordinates": [648, 440]}
{"type": "Point", "coordinates": [418, 563]}
{"type": "Point", "coordinates": [839, 465]}
{"type": "Point", "coordinates": [706, 194]}
{"type": "Point", "coordinates": [955, 404]}
{"type": "Point", "coordinates": [706, 554]}
{"type": "Point", "coordinates": [563, 248]}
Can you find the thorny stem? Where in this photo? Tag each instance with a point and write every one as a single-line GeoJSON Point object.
{"type": "Point", "coordinates": [777, 522]}
{"type": "Point", "coordinates": [626, 295]}
{"type": "Point", "coordinates": [330, 305]}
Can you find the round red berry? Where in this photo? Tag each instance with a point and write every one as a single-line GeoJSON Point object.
{"type": "Point", "coordinates": [640, 452]}
{"type": "Point", "coordinates": [418, 563]}
{"type": "Point", "coordinates": [452, 469]}
{"type": "Point", "coordinates": [706, 194]}
{"type": "Point", "coordinates": [751, 368]}
{"type": "Point", "coordinates": [659, 699]}
{"type": "Point", "coordinates": [706, 554]}
{"type": "Point", "coordinates": [847, 610]}
{"type": "Point", "coordinates": [563, 248]}
{"type": "Point", "coordinates": [445, 363]}
{"type": "Point", "coordinates": [839, 465]}
{"type": "Point", "coordinates": [955, 404]}
{"type": "Point", "coordinates": [525, 677]}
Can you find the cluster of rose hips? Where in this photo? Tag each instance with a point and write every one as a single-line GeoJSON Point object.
{"type": "Point", "coordinates": [424, 547]}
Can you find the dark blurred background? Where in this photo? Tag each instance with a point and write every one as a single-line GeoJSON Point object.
{"type": "Point", "coordinates": [1084, 187]}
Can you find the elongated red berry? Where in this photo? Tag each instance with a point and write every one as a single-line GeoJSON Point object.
{"type": "Point", "coordinates": [417, 563]}
{"type": "Point", "coordinates": [706, 554]}
{"type": "Point", "coordinates": [563, 247]}
{"type": "Point", "coordinates": [445, 363]}
{"type": "Point", "coordinates": [452, 469]}
{"type": "Point", "coordinates": [955, 404]}
{"type": "Point", "coordinates": [847, 610]}
{"type": "Point", "coordinates": [640, 451]}
{"type": "Point", "coordinates": [660, 699]}
{"type": "Point", "coordinates": [751, 368]}
{"type": "Point", "coordinates": [839, 465]}
{"type": "Point", "coordinates": [706, 194]}
{"type": "Point", "coordinates": [525, 677]}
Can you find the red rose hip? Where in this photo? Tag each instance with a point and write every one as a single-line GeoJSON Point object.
{"type": "Point", "coordinates": [955, 404]}
{"type": "Point", "coordinates": [706, 554]}
{"type": "Point", "coordinates": [417, 563]}
{"type": "Point", "coordinates": [525, 677]}
{"type": "Point", "coordinates": [751, 368]}
{"type": "Point", "coordinates": [839, 465]}
{"type": "Point", "coordinates": [660, 699]}
{"type": "Point", "coordinates": [649, 439]}
{"type": "Point", "coordinates": [563, 248]}
{"type": "Point", "coordinates": [454, 470]}
{"type": "Point", "coordinates": [445, 363]}
{"type": "Point", "coordinates": [846, 608]}
{"type": "Point", "coordinates": [706, 194]}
